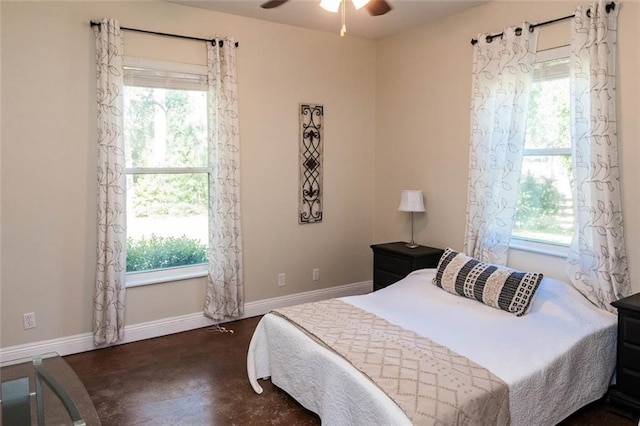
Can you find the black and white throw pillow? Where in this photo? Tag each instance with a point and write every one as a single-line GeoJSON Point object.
{"type": "Point", "coordinates": [496, 286]}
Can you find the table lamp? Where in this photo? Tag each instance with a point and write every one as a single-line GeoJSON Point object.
{"type": "Point", "coordinates": [411, 201]}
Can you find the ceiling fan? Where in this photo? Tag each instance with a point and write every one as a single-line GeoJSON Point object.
{"type": "Point", "coordinates": [374, 7]}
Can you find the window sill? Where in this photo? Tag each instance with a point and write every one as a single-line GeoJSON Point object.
{"type": "Point", "coordinates": [137, 279]}
{"type": "Point", "coordinates": [539, 247]}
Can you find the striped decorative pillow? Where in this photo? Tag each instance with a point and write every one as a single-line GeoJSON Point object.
{"type": "Point", "coordinates": [495, 286]}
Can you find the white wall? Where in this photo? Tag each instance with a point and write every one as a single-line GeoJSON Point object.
{"type": "Point", "coordinates": [422, 122]}
{"type": "Point", "coordinates": [48, 158]}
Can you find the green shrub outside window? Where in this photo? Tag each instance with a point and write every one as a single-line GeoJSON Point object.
{"type": "Point", "coordinates": [164, 252]}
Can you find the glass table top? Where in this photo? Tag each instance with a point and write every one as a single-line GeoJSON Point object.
{"type": "Point", "coordinates": [43, 390]}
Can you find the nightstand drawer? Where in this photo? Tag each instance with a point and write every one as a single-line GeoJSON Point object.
{"type": "Point", "coordinates": [629, 356]}
{"type": "Point", "coordinates": [629, 382]}
{"type": "Point", "coordinates": [630, 329]}
{"type": "Point", "coordinates": [630, 353]}
{"type": "Point", "coordinates": [382, 279]}
{"type": "Point", "coordinates": [392, 264]}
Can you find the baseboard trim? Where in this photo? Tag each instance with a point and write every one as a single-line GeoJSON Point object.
{"type": "Point", "coordinates": [148, 330]}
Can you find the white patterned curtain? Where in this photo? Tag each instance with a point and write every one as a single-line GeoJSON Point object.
{"type": "Point", "coordinates": [109, 293]}
{"type": "Point", "coordinates": [224, 294]}
{"type": "Point", "coordinates": [502, 77]}
{"type": "Point", "coordinates": [597, 263]}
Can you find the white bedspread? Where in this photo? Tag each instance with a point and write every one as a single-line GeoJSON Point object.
{"type": "Point", "coordinates": [555, 359]}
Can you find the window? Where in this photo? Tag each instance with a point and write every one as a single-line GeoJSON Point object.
{"type": "Point", "coordinates": [165, 132]}
{"type": "Point", "coordinates": [544, 209]}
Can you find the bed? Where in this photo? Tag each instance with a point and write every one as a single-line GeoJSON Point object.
{"type": "Point", "coordinates": [554, 360]}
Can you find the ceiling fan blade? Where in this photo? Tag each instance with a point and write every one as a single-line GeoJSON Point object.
{"type": "Point", "coordinates": [272, 3]}
{"type": "Point", "coordinates": [378, 7]}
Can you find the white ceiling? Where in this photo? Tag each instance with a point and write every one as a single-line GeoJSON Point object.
{"type": "Point", "coordinates": [308, 14]}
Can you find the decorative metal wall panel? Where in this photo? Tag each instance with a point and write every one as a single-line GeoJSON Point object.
{"type": "Point", "coordinates": [311, 137]}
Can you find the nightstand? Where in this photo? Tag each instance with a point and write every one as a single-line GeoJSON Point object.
{"type": "Point", "coordinates": [394, 261]}
{"type": "Point", "coordinates": [624, 396]}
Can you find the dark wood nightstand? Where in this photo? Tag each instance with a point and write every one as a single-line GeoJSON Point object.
{"type": "Point", "coordinates": [394, 261]}
{"type": "Point", "coordinates": [624, 396]}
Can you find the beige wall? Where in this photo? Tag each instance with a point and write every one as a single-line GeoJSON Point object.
{"type": "Point", "coordinates": [415, 87]}
{"type": "Point", "coordinates": [422, 122]}
{"type": "Point", "coordinates": [48, 158]}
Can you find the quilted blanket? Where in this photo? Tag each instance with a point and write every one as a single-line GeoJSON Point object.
{"type": "Point", "coordinates": [429, 382]}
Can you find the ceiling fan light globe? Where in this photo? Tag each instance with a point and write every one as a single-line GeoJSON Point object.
{"type": "Point", "coordinates": [330, 5]}
{"type": "Point", "coordinates": [359, 3]}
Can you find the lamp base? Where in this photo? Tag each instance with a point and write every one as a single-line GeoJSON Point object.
{"type": "Point", "coordinates": [412, 245]}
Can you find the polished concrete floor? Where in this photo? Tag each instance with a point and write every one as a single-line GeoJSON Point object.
{"type": "Point", "coordinates": [199, 378]}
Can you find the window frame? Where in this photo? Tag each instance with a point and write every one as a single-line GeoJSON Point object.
{"type": "Point", "coordinates": [176, 273]}
{"type": "Point", "coordinates": [533, 245]}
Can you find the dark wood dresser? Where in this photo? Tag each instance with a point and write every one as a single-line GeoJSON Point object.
{"type": "Point", "coordinates": [394, 261]}
{"type": "Point", "coordinates": [624, 396]}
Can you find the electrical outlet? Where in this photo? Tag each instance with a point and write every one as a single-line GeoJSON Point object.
{"type": "Point", "coordinates": [316, 274]}
{"type": "Point", "coordinates": [282, 280]}
{"type": "Point", "coordinates": [29, 320]}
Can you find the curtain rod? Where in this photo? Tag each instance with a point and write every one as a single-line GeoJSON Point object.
{"type": "Point", "coordinates": [609, 7]}
{"type": "Point", "coordinates": [95, 24]}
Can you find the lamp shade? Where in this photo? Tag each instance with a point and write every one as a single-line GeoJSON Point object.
{"type": "Point", "coordinates": [411, 201]}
